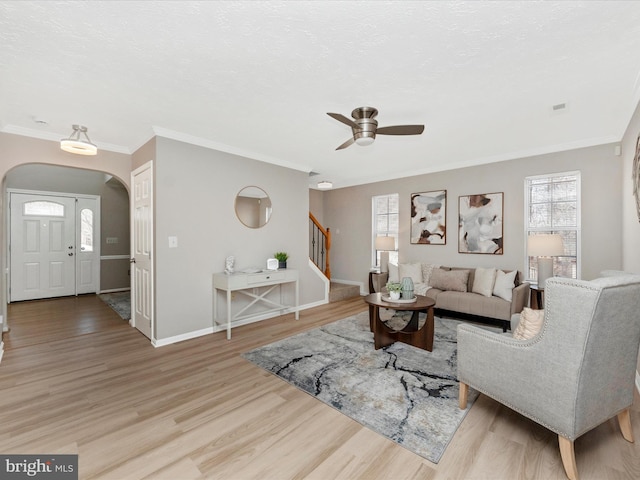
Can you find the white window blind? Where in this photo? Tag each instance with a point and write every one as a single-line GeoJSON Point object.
{"type": "Point", "coordinates": [552, 205]}
{"type": "Point", "coordinates": [385, 223]}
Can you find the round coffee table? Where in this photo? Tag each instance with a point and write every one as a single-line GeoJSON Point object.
{"type": "Point", "coordinates": [411, 334]}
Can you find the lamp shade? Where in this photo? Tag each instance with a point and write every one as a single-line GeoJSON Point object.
{"type": "Point", "coordinates": [385, 243]}
{"type": "Point", "coordinates": [546, 245]}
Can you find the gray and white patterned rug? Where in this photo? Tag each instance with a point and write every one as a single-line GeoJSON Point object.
{"type": "Point", "coordinates": [406, 394]}
{"type": "Point", "coordinates": [118, 301]}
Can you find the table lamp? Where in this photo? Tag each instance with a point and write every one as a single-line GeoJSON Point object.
{"type": "Point", "coordinates": [384, 244]}
{"type": "Point", "coordinates": [545, 247]}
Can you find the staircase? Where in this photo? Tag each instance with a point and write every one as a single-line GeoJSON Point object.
{"type": "Point", "coordinates": [341, 291]}
{"type": "Point", "coordinates": [319, 249]}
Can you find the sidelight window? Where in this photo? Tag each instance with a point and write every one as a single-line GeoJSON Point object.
{"type": "Point", "coordinates": [86, 230]}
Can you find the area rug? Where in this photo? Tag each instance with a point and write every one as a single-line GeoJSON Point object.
{"type": "Point", "coordinates": [406, 394]}
{"type": "Point", "coordinates": [118, 301]}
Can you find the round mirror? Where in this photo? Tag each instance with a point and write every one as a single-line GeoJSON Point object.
{"type": "Point", "coordinates": [253, 207]}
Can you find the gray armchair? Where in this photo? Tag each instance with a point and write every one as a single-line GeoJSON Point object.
{"type": "Point", "coordinates": [576, 373]}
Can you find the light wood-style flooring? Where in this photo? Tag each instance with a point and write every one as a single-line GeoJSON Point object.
{"type": "Point", "coordinates": [75, 378]}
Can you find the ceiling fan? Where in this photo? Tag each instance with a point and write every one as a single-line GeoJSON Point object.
{"type": "Point", "coordinates": [365, 127]}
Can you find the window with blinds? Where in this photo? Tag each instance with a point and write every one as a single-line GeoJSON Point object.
{"type": "Point", "coordinates": [385, 223]}
{"type": "Point", "coordinates": [552, 205]}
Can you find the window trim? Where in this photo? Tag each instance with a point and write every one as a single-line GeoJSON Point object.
{"type": "Point", "coordinates": [577, 228]}
{"type": "Point", "coordinates": [374, 233]}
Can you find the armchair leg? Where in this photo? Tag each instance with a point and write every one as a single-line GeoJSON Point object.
{"type": "Point", "coordinates": [463, 395]}
{"type": "Point", "coordinates": [568, 457]}
{"type": "Point", "coordinates": [624, 420]}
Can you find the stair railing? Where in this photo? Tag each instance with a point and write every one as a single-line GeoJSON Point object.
{"type": "Point", "coordinates": [319, 245]}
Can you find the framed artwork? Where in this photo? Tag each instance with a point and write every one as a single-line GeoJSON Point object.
{"type": "Point", "coordinates": [428, 218]}
{"type": "Point", "coordinates": [480, 223]}
{"type": "Point", "coordinates": [636, 177]}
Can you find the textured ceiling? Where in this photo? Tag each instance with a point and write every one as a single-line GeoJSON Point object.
{"type": "Point", "coordinates": [257, 78]}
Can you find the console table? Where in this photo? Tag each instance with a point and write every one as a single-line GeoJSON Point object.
{"type": "Point", "coordinates": [249, 285]}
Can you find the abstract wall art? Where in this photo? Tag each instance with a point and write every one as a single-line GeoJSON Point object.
{"type": "Point", "coordinates": [480, 223]}
{"type": "Point", "coordinates": [636, 177]}
{"type": "Point", "coordinates": [428, 218]}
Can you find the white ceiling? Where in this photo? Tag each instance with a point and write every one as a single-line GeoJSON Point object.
{"type": "Point", "coordinates": [257, 78]}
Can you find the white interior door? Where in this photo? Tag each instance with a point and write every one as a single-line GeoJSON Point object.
{"type": "Point", "coordinates": [42, 243]}
{"type": "Point", "coordinates": [142, 250]}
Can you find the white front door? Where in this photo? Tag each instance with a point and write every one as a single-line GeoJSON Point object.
{"type": "Point", "coordinates": [142, 250]}
{"type": "Point", "coordinates": [54, 245]}
{"type": "Point", "coordinates": [42, 243]}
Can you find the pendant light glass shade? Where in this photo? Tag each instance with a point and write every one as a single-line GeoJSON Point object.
{"type": "Point", "coordinates": [78, 145]}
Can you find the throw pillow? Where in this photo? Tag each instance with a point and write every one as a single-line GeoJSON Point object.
{"type": "Point", "coordinates": [412, 270]}
{"type": "Point", "coordinates": [530, 324]}
{"type": "Point", "coordinates": [483, 281]}
{"type": "Point", "coordinates": [455, 280]}
{"type": "Point", "coordinates": [427, 269]}
{"type": "Point", "coordinates": [393, 273]}
{"type": "Point", "coordinates": [505, 282]}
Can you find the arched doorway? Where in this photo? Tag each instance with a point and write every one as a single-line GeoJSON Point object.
{"type": "Point", "coordinates": [113, 241]}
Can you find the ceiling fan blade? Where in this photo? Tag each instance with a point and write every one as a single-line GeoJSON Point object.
{"type": "Point", "coordinates": [346, 144]}
{"type": "Point", "coordinates": [343, 119]}
{"type": "Point", "coordinates": [401, 130]}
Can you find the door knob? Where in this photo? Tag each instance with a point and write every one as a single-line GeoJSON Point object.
{"type": "Point", "coordinates": [133, 260]}
{"type": "Point", "coordinates": [71, 254]}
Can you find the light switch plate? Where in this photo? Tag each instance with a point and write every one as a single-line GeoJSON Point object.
{"type": "Point", "coordinates": [173, 242]}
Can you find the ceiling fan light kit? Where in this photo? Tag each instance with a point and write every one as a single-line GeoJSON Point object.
{"type": "Point", "coordinates": [76, 144]}
{"type": "Point", "coordinates": [364, 127]}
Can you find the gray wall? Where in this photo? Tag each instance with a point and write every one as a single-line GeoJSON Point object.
{"type": "Point", "coordinates": [348, 212]}
{"type": "Point", "coordinates": [631, 222]}
{"type": "Point", "coordinates": [195, 189]}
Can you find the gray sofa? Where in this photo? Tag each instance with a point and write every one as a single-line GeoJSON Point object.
{"type": "Point", "coordinates": [467, 304]}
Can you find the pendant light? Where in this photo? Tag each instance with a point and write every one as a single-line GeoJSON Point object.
{"type": "Point", "coordinates": [75, 144]}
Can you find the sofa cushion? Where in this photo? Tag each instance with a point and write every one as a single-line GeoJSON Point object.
{"type": "Point", "coordinates": [427, 270]}
{"type": "Point", "coordinates": [472, 304]}
{"type": "Point", "coordinates": [411, 270]}
{"type": "Point", "coordinates": [452, 280]}
{"type": "Point", "coordinates": [483, 281]}
{"type": "Point", "coordinates": [529, 325]}
{"type": "Point", "coordinates": [394, 275]}
{"type": "Point", "coordinates": [504, 284]}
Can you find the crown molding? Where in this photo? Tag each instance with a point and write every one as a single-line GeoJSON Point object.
{"type": "Point", "coordinates": [223, 147]}
{"type": "Point", "coordinates": [55, 137]}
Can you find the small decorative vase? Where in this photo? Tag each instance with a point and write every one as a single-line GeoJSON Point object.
{"type": "Point", "coordinates": [394, 295]}
{"type": "Point", "coordinates": [282, 264]}
{"type": "Point", "coordinates": [407, 288]}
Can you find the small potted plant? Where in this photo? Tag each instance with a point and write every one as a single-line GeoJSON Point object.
{"type": "Point", "coordinates": [282, 259]}
{"type": "Point", "coordinates": [394, 290]}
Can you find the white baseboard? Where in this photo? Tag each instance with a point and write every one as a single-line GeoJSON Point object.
{"type": "Point", "coordinates": [1, 350]}
{"type": "Point", "coordinates": [221, 327]}
{"type": "Point", "coordinates": [182, 337]}
{"type": "Point", "coordinates": [638, 381]}
{"type": "Point", "coordinates": [114, 290]}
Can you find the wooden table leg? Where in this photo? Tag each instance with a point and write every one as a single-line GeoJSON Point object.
{"type": "Point", "coordinates": [430, 328]}
{"type": "Point", "coordinates": [373, 312]}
